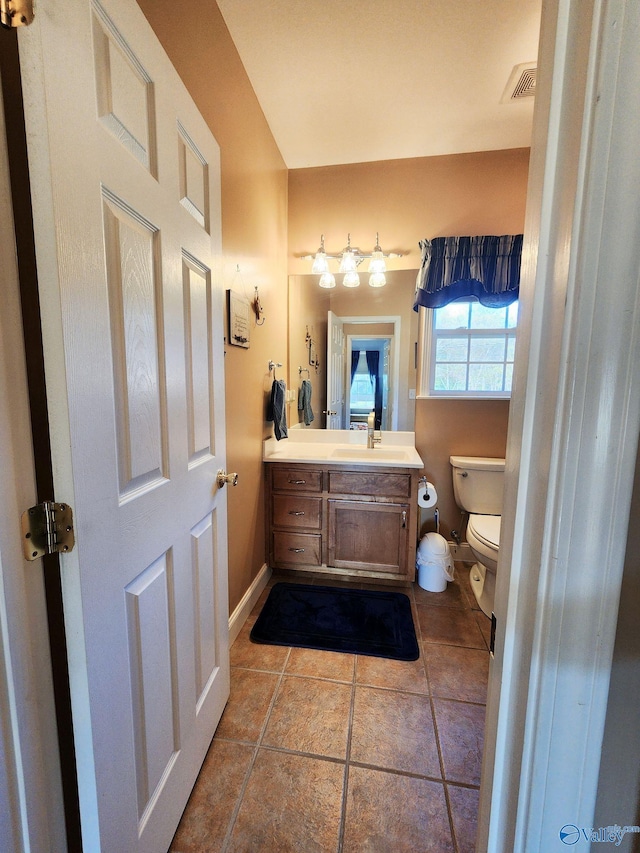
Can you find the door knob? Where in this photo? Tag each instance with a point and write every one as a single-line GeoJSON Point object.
{"type": "Point", "coordinates": [222, 477]}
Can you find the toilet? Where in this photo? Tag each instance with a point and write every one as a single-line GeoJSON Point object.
{"type": "Point", "coordinates": [477, 487]}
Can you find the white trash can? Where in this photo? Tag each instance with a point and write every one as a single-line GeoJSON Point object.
{"type": "Point", "coordinates": [434, 563]}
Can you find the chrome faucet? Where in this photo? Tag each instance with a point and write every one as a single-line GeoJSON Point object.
{"type": "Point", "coordinates": [371, 431]}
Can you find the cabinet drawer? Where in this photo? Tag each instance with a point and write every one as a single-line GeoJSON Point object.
{"type": "Point", "coordinates": [296, 480]}
{"type": "Point", "coordinates": [297, 548]}
{"type": "Point", "coordinates": [371, 484]}
{"type": "Point", "coordinates": [297, 511]}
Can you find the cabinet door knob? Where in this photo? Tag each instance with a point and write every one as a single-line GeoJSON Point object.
{"type": "Point", "coordinates": [403, 516]}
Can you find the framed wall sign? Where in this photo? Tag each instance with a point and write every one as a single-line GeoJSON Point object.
{"type": "Point", "coordinates": [239, 312]}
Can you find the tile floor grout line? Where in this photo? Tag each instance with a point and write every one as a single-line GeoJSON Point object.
{"type": "Point", "coordinates": [454, 837]}
{"type": "Point", "coordinates": [392, 771]}
{"type": "Point", "coordinates": [236, 810]}
{"type": "Point", "coordinates": [243, 789]}
{"type": "Point", "coordinates": [442, 772]}
{"type": "Point", "coordinates": [345, 778]}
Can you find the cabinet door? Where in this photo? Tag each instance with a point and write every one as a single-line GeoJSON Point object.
{"type": "Point", "coordinates": [368, 536]}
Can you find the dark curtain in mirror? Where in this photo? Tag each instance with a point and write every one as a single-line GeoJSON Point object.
{"type": "Point", "coordinates": [373, 366]}
{"type": "Point", "coordinates": [355, 358]}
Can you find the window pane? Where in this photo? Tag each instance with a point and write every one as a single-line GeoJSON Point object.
{"type": "Point", "coordinates": [512, 315]}
{"type": "Point", "coordinates": [487, 349]}
{"type": "Point", "coordinates": [455, 315]}
{"type": "Point", "coordinates": [361, 392]}
{"type": "Point", "coordinates": [511, 347]}
{"type": "Point", "coordinates": [485, 377]}
{"type": "Point", "coordinates": [452, 349]}
{"type": "Point", "coordinates": [508, 376]}
{"type": "Point", "coordinates": [450, 377]}
{"type": "Point", "coordinates": [487, 318]}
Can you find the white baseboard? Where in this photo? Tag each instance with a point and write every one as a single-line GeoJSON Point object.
{"type": "Point", "coordinates": [462, 553]}
{"type": "Point", "coordinates": [244, 608]}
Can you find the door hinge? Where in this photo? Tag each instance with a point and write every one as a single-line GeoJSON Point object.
{"type": "Point", "coordinates": [492, 644]}
{"type": "Point", "coordinates": [16, 13]}
{"type": "Point", "coordinates": [47, 528]}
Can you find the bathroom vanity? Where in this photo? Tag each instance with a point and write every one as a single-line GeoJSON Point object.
{"type": "Point", "coordinates": [336, 507]}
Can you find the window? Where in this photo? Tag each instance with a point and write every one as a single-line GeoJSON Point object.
{"type": "Point", "coordinates": [362, 396]}
{"type": "Point", "coordinates": [468, 349]}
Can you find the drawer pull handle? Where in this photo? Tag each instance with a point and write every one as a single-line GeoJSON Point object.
{"type": "Point", "coordinates": [296, 512]}
{"type": "Point", "coordinates": [297, 550]}
{"type": "Point", "coordinates": [298, 482]}
{"type": "Point", "coordinates": [404, 518]}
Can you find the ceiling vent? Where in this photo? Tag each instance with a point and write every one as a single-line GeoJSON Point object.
{"type": "Point", "coordinates": [521, 83]}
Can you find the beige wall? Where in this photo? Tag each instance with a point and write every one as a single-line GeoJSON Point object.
{"type": "Point", "coordinates": [254, 237]}
{"type": "Point", "coordinates": [406, 201]}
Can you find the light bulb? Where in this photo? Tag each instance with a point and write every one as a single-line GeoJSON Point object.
{"type": "Point", "coordinates": [320, 263]}
{"type": "Point", "coordinates": [348, 261]}
{"type": "Point", "coordinates": [351, 279]}
{"type": "Point", "coordinates": [327, 279]}
{"type": "Point", "coordinates": [377, 279]}
{"type": "Point", "coordinates": [377, 263]}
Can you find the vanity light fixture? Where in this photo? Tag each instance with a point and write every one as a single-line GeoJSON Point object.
{"type": "Point", "coordinates": [350, 259]}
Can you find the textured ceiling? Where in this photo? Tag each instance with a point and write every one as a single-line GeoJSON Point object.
{"type": "Point", "coordinates": [383, 79]}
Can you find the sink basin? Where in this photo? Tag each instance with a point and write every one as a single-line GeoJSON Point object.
{"type": "Point", "coordinates": [367, 453]}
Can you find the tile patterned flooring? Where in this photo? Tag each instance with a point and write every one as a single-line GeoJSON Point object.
{"type": "Point", "coordinates": [322, 751]}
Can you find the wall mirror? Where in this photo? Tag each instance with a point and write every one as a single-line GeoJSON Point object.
{"type": "Point", "coordinates": [365, 345]}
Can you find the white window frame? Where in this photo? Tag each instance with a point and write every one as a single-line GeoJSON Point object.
{"type": "Point", "coordinates": [426, 362]}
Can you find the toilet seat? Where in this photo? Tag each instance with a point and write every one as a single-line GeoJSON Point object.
{"type": "Point", "coordinates": [483, 535]}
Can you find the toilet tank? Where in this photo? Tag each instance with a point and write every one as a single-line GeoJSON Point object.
{"type": "Point", "coordinates": [477, 483]}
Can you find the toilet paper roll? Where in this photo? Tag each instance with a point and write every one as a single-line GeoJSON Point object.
{"type": "Point", "coordinates": [427, 496]}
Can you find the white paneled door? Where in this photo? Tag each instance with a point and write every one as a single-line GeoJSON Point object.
{"type": "Point", "coordinates": [126, 192]}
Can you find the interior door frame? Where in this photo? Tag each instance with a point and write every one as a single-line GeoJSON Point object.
{"type": "Point", "coordinates": [396, 320]}
{"type": "Point", "coordinates": [32, 814]}
{"type": "Point", "coordinates": [573, 434]}
{"type": "Point", "coordinates": [385, 339]}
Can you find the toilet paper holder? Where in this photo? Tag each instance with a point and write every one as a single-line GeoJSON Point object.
{"type": "Point", "coordinates": [427, 494]}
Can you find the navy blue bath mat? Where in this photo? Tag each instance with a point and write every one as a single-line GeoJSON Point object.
{"type": "Point", "coordinates": [335, 619]}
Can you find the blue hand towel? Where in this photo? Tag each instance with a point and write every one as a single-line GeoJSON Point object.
{"type": "Point", "coordinates": [277, 408]}
{"type": "Point", "coordinates": [304, 402]}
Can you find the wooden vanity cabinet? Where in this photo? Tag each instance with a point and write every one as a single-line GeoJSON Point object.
{"type": "Point", "coordinates": [342, 520]}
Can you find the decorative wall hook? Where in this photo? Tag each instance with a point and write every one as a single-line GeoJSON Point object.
{"type": "Point", "coordinates": [258, 309]}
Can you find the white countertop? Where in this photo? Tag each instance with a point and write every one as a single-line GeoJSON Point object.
{"type": "Point", "coordinates": [340, 446]}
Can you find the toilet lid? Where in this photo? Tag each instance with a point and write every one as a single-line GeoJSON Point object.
{"type": "Point", "coordinates": [486, 528]}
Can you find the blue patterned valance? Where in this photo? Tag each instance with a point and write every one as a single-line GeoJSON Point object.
{"type": "Point", "coordinates": [485, 267]}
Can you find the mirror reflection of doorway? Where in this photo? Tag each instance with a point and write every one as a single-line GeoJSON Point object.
{"type": "Point", "coordinates": [369, 361]}
{"type": "Point", "coordinates": [381, 335]}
